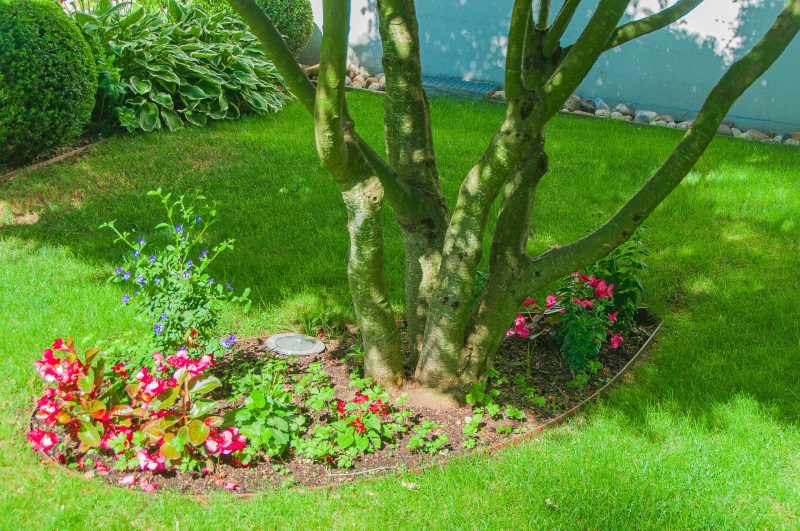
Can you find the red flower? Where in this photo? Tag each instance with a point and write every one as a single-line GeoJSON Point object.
{"type": "Point", "coordinates": [59, 344]}
{"type": "Point", "coordinates": [230, 485]}
{"type": "Point", "coordinates": [360, 398]}
{"type": "Point", "coordinates": [616, 340]}
{"type": "Point", "coordinates": [613, 317]}
{"type": "Point", "coordinates": [379, 407]}
{"type": "Point", "coordinates": [340, 406]}
{"type": "Point", "coordinates": [584, 303]}
{"type": "Point", "coordinates": [603, 291]}
{"type": "Point", "coordinates": [43, 441]}
{"type": "Point", "coordinates": [151, 462]}
{"type": "Point", "coordinates": [48, 408]}
{"type": "Point", "coordinates": [551, 300]}
{"type": "Point", "coordinates": [528, 302]}
{"type": "Point", "coordinates": [119, 368]}
{"type": "Point", "coordinates": [359, 426]}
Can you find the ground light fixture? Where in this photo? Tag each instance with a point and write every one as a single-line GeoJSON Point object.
{"type": "Point", "coordinates": [292, 344]}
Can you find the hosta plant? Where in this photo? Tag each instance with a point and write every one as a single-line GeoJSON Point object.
{"type": "Point", "coordinates": [171, 283]}
{"type": "Point", "coordinates": [161, 69]}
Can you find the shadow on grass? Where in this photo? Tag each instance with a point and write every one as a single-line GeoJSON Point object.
{"type": "Point", "coordinates": [725, 244]}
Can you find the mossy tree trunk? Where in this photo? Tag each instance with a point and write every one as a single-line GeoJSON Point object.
{"type": "Point", "coordinates": [451, 339]}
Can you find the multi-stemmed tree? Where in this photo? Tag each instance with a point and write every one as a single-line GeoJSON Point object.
{"type": "Point", "coordinates": [451, 340]}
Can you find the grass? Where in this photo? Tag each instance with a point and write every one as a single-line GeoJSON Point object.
{"type": "Point", "coordinates": [704, 434]}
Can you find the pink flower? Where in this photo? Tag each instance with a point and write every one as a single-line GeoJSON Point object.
{"type": "Point", "coordinates": [119, 368]}
{"type": "Point", "coordinates": [523, 333]}
{"type": "Point", "coordinates": [511, 332]}
{"type": "Point", "coordinates": [616, 340]}
{"type": "Point", "coordinates": [520, 321]}
{"type": "Point", "coordinates": [101, 468]}
{"type": "Point", "coordinates": [593, 281]}
{"type": "Point", "coordinates": [230, 485]}
{"type": "Point", "coordinates": [150, 462]}
{"type": "Point", "coordinates": [613, 317]}
{"type": "Point", "coordinates": [179, 359]}
{"type": "Point", "coordinates": [127, 481]}
{"type": "Point", "coordinates": [52, 369]}
{"type": "Point", "coordinates": [551, 300]}
{"type": "Point", "coordinates": [197, 367]}
{"type": "Point", "coordinates": [529, 302]}
{"type": "Point", "coordinates": [43, 441]}
{"type": "Point", "coordinates": [584, 303]}
{"type": "Point", "coordinates": [59, 345]}
{"type": "Point", "coordinates": [602, 291]}
{"type": "Point", "coordinates": [143, 374]}
{"type": "Point", "coordinates": [146, 485]}
{"type": "Point", "coordinates": [225, 442]}
{"type": "Point", "coordinates": [48, 408]}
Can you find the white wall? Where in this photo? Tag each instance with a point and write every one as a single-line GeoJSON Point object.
{"type": "Point", "coordinates": [668, 71]}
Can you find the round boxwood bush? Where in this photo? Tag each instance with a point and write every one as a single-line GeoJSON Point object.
{"type": "Point", "coordinates": [47, 79]}
{"type": "Point", "coordinates": [293, 18]}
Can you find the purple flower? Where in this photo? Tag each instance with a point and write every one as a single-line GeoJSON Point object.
{"type": "Point", "coordinates": [136, 293]}
{"type": "Point", "coordinates": [203, 254]}
{"type": "Point", "coordinates": [197, 219]}
{"type": "Point", "coordinates": [210, 280]}
{"type": "Point", "coordinates": [189, 264]}
{"type": "Point", "coordinates": [162, 317]}
{"type": "Point", "coordinates": [158, 328]}
{"type": "Point", "coordinates": [157, 280]}
{"type": "Point", "coordinates": [228, 286]}
{"type": "Point", "coordinates": [186, 274]}
{"type": "Point", "coordinates": [118, 271]}
{"type": "Point", "coordinates": [178, 228]}
{"type": "Point", "coordinates": [152, 259]}
{"type": "Point", "coordinates": [141, 241]}
{"type": "Point", "coordinates": [126, 276]}
{"type": "Point", "coordinates": [136, 253]}
{"type": "Point", "coordinates": [126, 298]}
{"type": "Point", "coordinates": [228, 342]}
{"type": "Point", "coordinates": [140, 280]}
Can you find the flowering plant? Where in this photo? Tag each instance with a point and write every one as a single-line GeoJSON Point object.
{"type": "Point", "coordinates": [172, 284]}
{"type": "Point", "coordinates": [152, 421]}
{"type": "Point", "coordinates": [359, 426]}
{"type": "Point", "coordinates": [590, 310]}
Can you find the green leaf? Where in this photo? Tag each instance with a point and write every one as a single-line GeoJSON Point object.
{"type": "Point", "coordinates": [134, 17]}
{"type": "Point", "coordinates": [192, 92]}
{"type": "Point", "coordinates": [172, 119]}
{"type": "Point", "coordinates": [140, 86]}
{"type": "Point", "coordinates": [198, 432]}
{"type": "Point", "coordinates": [86, 384]}
{"type": "Point", "coordinates": [162, 98]}
{"type": "Point", "coordinates": [201, 408]}
{"type": "Point", "coordinates": [203, 384]}
{"type": "Point", "coordinates": [175, 11]}
{"type": "Point", "coordinates": [345, 439]}
{"type": "Point", "coordinates": [148, 117]}
{"type": "Point", "coordinates": [164, 399]}
{"type": "Point", "coordinates": [89, 434]}
{"type": "Point", "coordinates": [196, 118]}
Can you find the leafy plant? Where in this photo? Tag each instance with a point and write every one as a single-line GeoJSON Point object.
{"type": "Point", "coordinates": [171, 284]}
{"type": "Point", "coordinates": [422, 440]}
{"type": "Point", "coordinates": [293, 18]}
{"type": "Point", "coordinates": [472, 426]}
{"type": "Point", "coordinates": [47, 79]}
{"type": "Point", "coordinates": [482, 396]}
{"type": "Point", "coordinates": [165, 68]}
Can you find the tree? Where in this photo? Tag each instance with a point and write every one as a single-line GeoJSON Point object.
{"type": "Point", "coordinates": [452, 341]}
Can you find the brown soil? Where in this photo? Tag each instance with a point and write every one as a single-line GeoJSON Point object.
{"type": "Point", "coordinates": [546, 372]}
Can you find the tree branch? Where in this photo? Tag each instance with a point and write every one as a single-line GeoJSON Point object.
{"type": "Point", "coordinates": [517, 38]}
{"type": "Point", "coordinates": [621, 226]}
{"type": "Point", "coordinates": [543, 16]}
{"type": "Point", "coordinates": [581, 56]}
{"type": "Point", "coordinates": [641, 27]}
{"type": "Point", "coordinates": [560, 24]}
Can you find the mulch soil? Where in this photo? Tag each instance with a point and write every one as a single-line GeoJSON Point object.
{"type": "Point", "coordinates": [543, 368]}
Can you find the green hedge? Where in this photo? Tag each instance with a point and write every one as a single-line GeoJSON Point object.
{"type": "Point", "coordinates": [293, 18]}
{"type": "Point", "coordinates": [47, 79]}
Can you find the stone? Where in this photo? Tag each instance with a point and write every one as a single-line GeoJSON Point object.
{"type": "Point", "coordinates": [583, 113]}
{"type": "Point", "coordinates": [796, 136]}
{"type": "Point", "coordinates": [737, 133]}
{"type": "Point", "coordinates": [792, 142]}
{"type": "Point", "coordinates": [375, 87]}
{"type": "Point", "coordinates": [602, 113]}
{"type": "Point", "coordinates": [624, 109]}
{"type": "Point", "coordinates": [371, 81]}
{"type": "Point", "coordinates": [601, 105]}
{"type": "Point", "coordinates": [725, 130]}
{"type": "Point", "coordinates": [658, 123]}
{"type": "Point", "coordinates": [348, 81]}
{"type": "Point", "coordinates": [358, 82]}
{"type": "Point", "coordinates": [778, 139]}
{"type": "Point", "coordinates": [499, 95]}
{"type": "Point", "coordinates": [683, 126]}
{"type": "Point", "coordinates": [672, 125]}
{"type": "Point", "coordinates": [587, 106]}
{"type": "Point", "coordinates": [755, 134]}
{"type": "Point", "coordinates": [363, 71]}
{"type": "Point", "coordinates": [616, 115]}
{"type": "Point", "coordinates": [663, 118]}
{"type": "Point", "coordinates": [644, 117]}
{"type": "Point", "coordinates": [571, 105]}
{"type": "Point", "coordinates": [381, 79]}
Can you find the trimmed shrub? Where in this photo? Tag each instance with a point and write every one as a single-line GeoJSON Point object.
{"type": "Point", "coordinates": [47, 79]}
{"type": "Point", "coordinates": [164, 69]}
{"type": "Point", "coordinates": [293, 18]}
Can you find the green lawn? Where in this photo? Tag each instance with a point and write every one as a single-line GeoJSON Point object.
{"type": "Point", "coordinates": [705, 433]}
